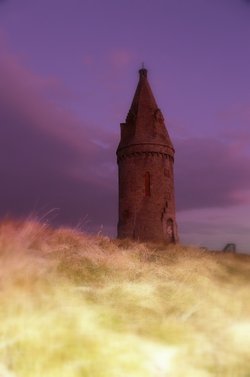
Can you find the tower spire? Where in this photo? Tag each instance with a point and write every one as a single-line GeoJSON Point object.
{"type": "Point", "coordinates": [143, 72]}
{"type": "Point", "coordinates": [144, 122]}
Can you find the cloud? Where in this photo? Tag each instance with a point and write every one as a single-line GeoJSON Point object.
{"type": "Point", "coordinates": [215, 228]}
{"type": "Point", "coordinates": [236, 129]}
{"type": "Point", "coordinates": [48, 157]}
{"type": "Point", "coordinates": [209, 173]}
{"type": "Point", "coordinates": [121, 58]}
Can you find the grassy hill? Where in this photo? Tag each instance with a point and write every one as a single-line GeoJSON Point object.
{"type": "Point", "coordinates": [72, 305]}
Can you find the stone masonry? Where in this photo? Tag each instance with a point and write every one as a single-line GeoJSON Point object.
{"type": "Point", "coordinates": [145, 158]}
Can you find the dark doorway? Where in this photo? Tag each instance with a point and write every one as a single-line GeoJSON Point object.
{"type": "Point", "coordinates": [170, 230]}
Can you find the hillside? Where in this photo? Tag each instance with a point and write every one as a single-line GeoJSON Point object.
{"type": "Point", "coordinates": [73, 305]}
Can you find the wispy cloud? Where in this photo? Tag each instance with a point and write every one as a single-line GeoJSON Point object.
{"type": "Point", "coordinates": [121, 58]}
{"type": "Point", "coordinates": [210, 174]}
{"type": "Point", "coordinates": [48, 157]}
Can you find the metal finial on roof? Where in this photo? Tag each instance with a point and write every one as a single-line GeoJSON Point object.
{"type": "Point", "coordinates": [143, 71]}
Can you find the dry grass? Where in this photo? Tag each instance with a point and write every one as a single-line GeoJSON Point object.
{"type": "Point", "coordinates": [79, 306]}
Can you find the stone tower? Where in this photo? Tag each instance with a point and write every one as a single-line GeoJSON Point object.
{"type": "Point", "coordinates": [145, 158]}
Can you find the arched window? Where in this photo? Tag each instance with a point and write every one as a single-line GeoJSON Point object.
{"type": "Point", "coordinates": [147, 183]}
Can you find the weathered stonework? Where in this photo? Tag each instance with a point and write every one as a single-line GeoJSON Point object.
{"type": "Point", "coordinates": [145, 158]}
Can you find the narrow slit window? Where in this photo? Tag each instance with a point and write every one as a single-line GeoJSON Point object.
{"type": "Point", "coordinates": [147, 184]}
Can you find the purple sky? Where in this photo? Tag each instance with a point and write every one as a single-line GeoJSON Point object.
{"type": "Point", "coordinates": [68, 72]}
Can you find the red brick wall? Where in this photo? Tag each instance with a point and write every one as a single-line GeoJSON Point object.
{"type": "Point", "coordinates": [142, 216]}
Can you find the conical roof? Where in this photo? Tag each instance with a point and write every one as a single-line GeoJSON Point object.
{"type": "Point", "coordinates": [144, 122]}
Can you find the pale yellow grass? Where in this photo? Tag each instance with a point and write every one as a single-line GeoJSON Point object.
{"type": "Point", "coordinates": [75, 305]}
